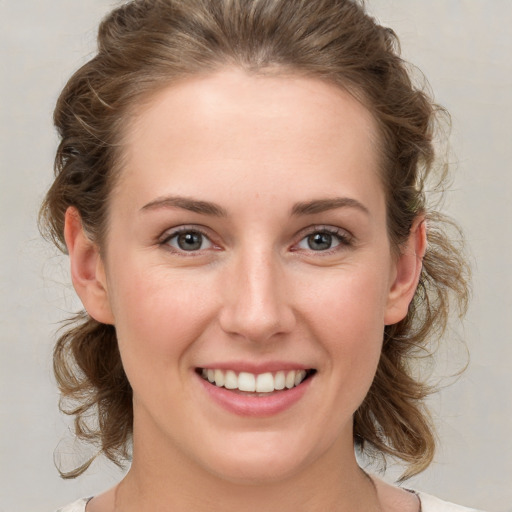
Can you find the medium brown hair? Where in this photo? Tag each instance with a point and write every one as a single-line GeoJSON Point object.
{"type": "Point", "coordinates": [145, 45]}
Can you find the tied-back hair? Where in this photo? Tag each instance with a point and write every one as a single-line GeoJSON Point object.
{"type": "Point", "coordinates": [146, 45]}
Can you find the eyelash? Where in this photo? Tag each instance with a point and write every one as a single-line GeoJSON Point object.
{"type": "Point", "coordinates": [344, 238]}
{"type": "Point", "coordinates": [168, 236]}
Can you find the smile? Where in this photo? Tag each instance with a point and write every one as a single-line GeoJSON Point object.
{"type": "Point", "coordinates": [255, 383]}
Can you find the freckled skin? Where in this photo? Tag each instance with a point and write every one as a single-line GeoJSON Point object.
{"type": "Point", "coordinates": [256, 289]}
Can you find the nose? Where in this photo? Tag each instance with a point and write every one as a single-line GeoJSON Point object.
{"type": "Point", "coordinates": [256, 304]}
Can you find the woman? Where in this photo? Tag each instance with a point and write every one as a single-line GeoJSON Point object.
{"type": "Point", "coordinates": [240, 188]}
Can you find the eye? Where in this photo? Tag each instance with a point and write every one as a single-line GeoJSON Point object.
{"type": "Point", "coordinates": [188, 240]}
{"type": "Point", "coordinates": [322, 240]}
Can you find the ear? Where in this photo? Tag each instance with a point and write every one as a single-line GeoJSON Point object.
{"type": "Point", "coordinates": [87, 270]}
{"type": "Point", "coordinates": [408, 270]}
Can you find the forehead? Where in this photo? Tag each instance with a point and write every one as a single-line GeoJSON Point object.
{"type": "Point", "coordinates": [284, 130]}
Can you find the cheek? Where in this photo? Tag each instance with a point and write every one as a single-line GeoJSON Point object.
{"type": "Point", "coordinates": [350, 301]}
{"type": "Point", "coordinates": [158, 314]}
{"type": "Point", "coordinates": [347, 315]}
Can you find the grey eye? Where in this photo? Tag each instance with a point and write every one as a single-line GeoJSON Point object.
{"type": "Point", "coordinates": [320, 241]}
{"type": "Point", "coordinates": [189, 241]}
{"type": "Point", "coordinates": [323, 240]}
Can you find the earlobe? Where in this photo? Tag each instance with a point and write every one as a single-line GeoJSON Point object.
{"type": "Point", "coordinates": [87, 269]}
{"type": "Point", "coordinates": [408, 271]}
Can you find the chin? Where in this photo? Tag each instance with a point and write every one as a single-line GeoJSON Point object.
{"type": "Point", "coordinates": [262, 461]}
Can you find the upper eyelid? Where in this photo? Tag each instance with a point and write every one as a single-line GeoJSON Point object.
{"type": "Point", "coordinates": [307, 231]}
{"type": "Point", "coordinates": [164, 242]}
{"type": "Point", "coordinates": [318, 228]}
{"type": "Point", "coordinates": [346, 239]}
{"type": "Point", "coordinates": [171, 232]}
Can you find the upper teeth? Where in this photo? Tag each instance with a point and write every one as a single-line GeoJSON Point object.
{"type": "Point", "coordinates": [255, 383]}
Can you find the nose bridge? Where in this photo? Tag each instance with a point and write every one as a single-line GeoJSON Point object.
{"type": "Point", "coordinates": [257, 306]}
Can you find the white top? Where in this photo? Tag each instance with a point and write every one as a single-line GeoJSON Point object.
{"type": "Point", "coordinates": [433, 504]}
{"type": "Point", "coordinates": [428, 504]}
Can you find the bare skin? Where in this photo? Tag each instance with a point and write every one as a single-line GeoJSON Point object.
{"type": "Point", "coordinates": [276, 182]}
{"type": "Point", "coordinates": [390, 499]}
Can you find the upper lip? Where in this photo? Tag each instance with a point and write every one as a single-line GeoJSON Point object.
{"type": "Point", "coordinates": [256, 368]}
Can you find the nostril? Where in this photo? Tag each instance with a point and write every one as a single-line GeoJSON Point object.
{"type": "Point", "coordinates": [257, 327]}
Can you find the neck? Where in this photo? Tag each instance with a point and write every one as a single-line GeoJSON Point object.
{"type": "Point", "coordinates": [165, 482]}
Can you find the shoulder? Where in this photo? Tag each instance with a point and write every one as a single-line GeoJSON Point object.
{"type": "Point", "coordinates": [432, 504]}
{"type": "Point", "coordinates": [76, 506]}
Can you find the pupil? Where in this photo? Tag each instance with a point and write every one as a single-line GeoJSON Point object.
{"type": "Point", "coordinates": [190, 241]}
{"type": "Point", "coordinates": [320, 241]}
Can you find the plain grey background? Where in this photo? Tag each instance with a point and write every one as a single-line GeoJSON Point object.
{"type": "Point", "coordinates": [463, 46]}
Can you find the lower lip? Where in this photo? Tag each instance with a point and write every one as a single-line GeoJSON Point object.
{"type": "Point", "coordinates": [256, 406]}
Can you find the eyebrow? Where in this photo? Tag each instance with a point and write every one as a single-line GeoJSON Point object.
{"type": "Point", "coordinates": [207, 208]}
{"type": "Point", "coordinates": [323, 205]}
{"type": "Point", "coordinates": [186, 203]}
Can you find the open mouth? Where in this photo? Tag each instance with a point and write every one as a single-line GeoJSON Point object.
{"type": "Point", "coordinates": [263, 383]}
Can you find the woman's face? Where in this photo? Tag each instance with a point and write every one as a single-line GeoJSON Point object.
{"type": "Point", "coordinates": [247, 243]}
